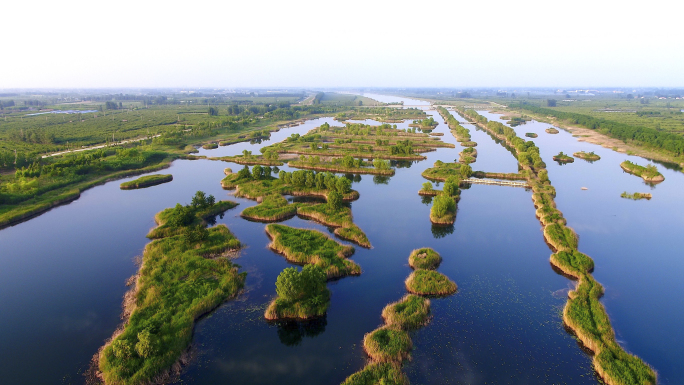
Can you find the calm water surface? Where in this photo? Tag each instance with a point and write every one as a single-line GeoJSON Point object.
{"type": "Point", "coordinates": [63, 276]}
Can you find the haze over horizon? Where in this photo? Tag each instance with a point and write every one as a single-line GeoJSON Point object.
{"type": "Point", "coordinates": [78, 44]}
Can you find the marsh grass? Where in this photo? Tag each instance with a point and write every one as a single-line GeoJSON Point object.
{"type": "Point", "coordinates": [378, 373]}
{"type": "Point", "coordinates": [146, 181]}
{"type": "Point", "coordinates": [590, 156]}
{"type": "Point", "coordinates": [199, 216]}
{"type": "Point", "coordinates": [388, 344]}
{"type": "Point", "coordinates": [410, 312]}
{"type": "Point", "coordinates": [425, 258]}
{"type": "Point", "coordinates": [561, 237]}
{"type": "Point", "coordinates": [429, 282]}
{"type": "Point", "coordinates": [649, 173]}
{"type": "Point", "coordinates": [303, 246]}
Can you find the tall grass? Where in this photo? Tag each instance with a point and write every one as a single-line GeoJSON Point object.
{"type": "Point", "coordinates": [429, 282]}
{"type": "Point", "coordinates": [378, 373]}
{"type": "Point", "coordinates": [410, 312]}
{"type": "Point", "coordinates": [388, 344]}
{"type": "Point", "coordinates": [425, 258]}
{"type": "Point", "coordinates": [147, 181]}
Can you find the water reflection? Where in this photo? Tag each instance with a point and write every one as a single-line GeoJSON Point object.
{"type": "Point", "coordinates": [291, 333]}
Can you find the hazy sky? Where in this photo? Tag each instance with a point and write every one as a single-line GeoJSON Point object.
{"type": "Point", "coordinates": [341, 43]}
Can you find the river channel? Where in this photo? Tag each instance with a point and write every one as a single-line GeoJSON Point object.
{"type": "Point", "coordinates": [63, 274]}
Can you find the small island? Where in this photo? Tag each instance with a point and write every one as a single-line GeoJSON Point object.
{"type": "Point", "coordinates": [303, 246]}
{"type": "Point", "coordinates": [649, 173]}
{"type": "Point", "coordinates": [588, 156]}
{"type": "Point", "coordinates": [531, 135]}
{"type": "Point", "coordinates": [429, 282]}
{"type": "Point", "coordinates": [388, 344]}
{"type": "Point", "coordinates": [563, 158]}
{"type": "Point", "coordinates": [146, 181]}
{"type": "Point", "coordinates": [551, 131]}
{"type": "Point", "coordinates": [210, 146]}
{"type": "Point", "coordinates": [636, 196]}
{"type": "Point", "coordinates": [301, 294]}
{"type": "Point", "coordinates": [424, 258]}
{"type": "Point", "coordinates": [410, 312]}
{"type": "Point", "coordinates": [443, 211]}
{"type": "Point", "coordinates": [387, 373]}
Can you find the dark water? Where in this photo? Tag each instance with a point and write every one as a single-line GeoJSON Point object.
{"type": "Point", "coordinates": [63, 273]}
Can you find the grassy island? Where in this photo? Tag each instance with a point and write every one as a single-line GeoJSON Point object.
{"type": "Point", "coordinates": [649, 173]}
{"type": "Point", "coordinates": [254, 160]}
{"type": "Point", "coordinates": [551, 131]}
{"type": "Point", "coordinates": [563, 158]}
{"type": "Point", "coordinates": [459, 132]}
{"type": "Point", "coordinates": [182, 276]}
{"type": "Point", "coordinates": [561, 237]}
{"type": "Point", "coordinates": [468, 155]}
{"type": "Point", "coordinates": [388, 344]}
{"type": "Point", "coordinates": [429, 282]}
{"type": "Point", "coordinates": [378, 373]}
{"type": "Point", "coordinates": [636, 196]}
{"type": "Point", "coordinates": [442, 171]}
{"type": "Point", "coordinates": [531, 135]}
{"type": "Point", "coordinates": [588, 156]}
{"type": "Point", "coordinates": [301, 294]}
{"type": "Point", "coordinates": [146, 181]}
{"type": "Point", "coordinates": [410, 312]}
{"type": "Point", "coordinates": [344, 165]}
{"type": "Point", "coordinates": [425, 124]}
{"type": "Point", "coordinates": [302, 246]}
{"type": "Point", "coordinates": [273, 207]}
{"type": "Point", "coordinates": [210, 146]}
{"type": "Point", "coordinates": [424, 258]}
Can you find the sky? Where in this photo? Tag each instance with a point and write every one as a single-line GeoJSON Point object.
{"type": "Point", "coordinates": [224, 44]}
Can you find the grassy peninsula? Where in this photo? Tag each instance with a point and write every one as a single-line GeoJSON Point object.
{"type": "Point", "coordinates": [301, 294]}
{"type": "Point", "coordinates": [182, 276]}
{"type": "Point", "coordinates": [147, 181]}
{"type": "Point", "coordinates": [649, 173]}
{"type": "Point", "coordinates": [302, 246]}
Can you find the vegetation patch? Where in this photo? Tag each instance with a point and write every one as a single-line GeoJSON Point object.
{"type": "Point", "coordinates": [146, 181]}
{"type": "Point", "coordinates": [210, 146]}
{"type": "Point", "coordinates": [425, 258]}
{"type": "Point", "coordinates": [301, 294]}
{"type": "Point", "coordinates": [563, 158]}
{"type": "Point", "coordinates": [649, 173]}
{"type": "Point", "coordinates": [588, 156]}
{"type": "Point", "coordinates": [344, 165]}
{"type": "Point", "coordinates": [410, 312]}
{"type": "Point", "coordinates": [429, 282]}
{"type": "Point", "coordinates": [173, 221]}
{"type": "Point", "coordinates": [304, 247]}
{"type": "Point", "coordinates": [441, 171]}
{"type": "Point", "coordinates": [531, 135]}
{"type": "Point", "coordinates": [176, 284]}
{"type": "Point", "coordinates": [636, 196]}
{"type": "Point", "coordinates": [551, 131]}
{"type": "Point", "coordinates": [388, 344]}
{"type": "Point", "coordinates": [561, 237]}
{"type": "Point", "coordinates": [378, 373]}
{"type": "Point", "coordinates": [443, 211]}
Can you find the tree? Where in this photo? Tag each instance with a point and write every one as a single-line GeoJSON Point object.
{"type": "Point", "coordinates": [551, 103]}
{"type": "Point", "coordinates": [244, 173]}
{"type": "Point", "coordinates": [195, 234]}
{"type": "Point", "coordinates": [427, 186]}
{"type": "Point", "coordinates": [199, 200]}
{"type": "Point", "coordinates": [257, 172]}
{"type": "Point", "coordinates": [381, 164]}
{"type": "Point", "coordinates": [334, 200]}
{"type": "Point", "coordinates": [450, 188]}
{"type": "Point", "coordinates": [442, 205]}
{"type": "Point", "coordinates": [213, 111]}
{"type": "Point", "coordinates": [348, 161]}
{"type": "Point", "coordinates": [466, 171]}
{"type": "Point", "coordinates": [343, 185]}
{"type": "Point", "coordinates": [292, 285]}
{"type": "Point", "coordinates": [180, 216]}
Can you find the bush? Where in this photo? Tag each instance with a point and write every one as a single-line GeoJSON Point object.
{"type": "Point", "coordinates": [334, 200]}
